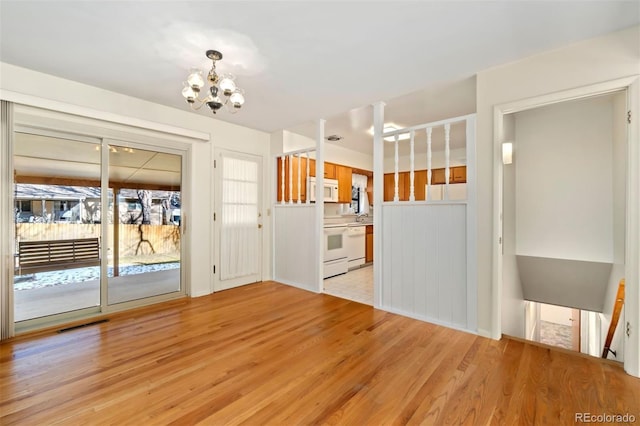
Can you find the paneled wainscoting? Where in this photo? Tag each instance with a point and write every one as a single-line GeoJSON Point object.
{"type": "Point", "coordinates": [273, 354]}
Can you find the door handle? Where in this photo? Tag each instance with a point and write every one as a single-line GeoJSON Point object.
{"type": "Point", "coordinates": [259, 226]}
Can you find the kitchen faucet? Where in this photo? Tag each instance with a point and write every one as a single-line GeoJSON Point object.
{"type": "Point", "coordinates": [360, 217]}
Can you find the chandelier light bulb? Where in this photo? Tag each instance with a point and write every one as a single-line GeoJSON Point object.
{"type": "Point", "coordinates": [227, 85]}
{"type": "Point", "coordinates": [237, 99]}
{"type": "Point", "coordinates": [195, 79]}
{"type": "Point", "coordinates": [188, 93]}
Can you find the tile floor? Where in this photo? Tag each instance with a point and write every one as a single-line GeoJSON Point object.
{"type": "Point", "coordinates": [555, 334]}
{"type": "Point", "coordinates": [356, 285]}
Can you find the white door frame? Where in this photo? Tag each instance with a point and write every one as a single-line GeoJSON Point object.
{"type": "Point", "coordinates": [632, 302]}
{"type": "Point", "coordinates": [216, 283]}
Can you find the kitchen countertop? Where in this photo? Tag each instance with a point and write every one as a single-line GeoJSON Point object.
{"type": "Point", "coordinates": [346, 220]}
{"type": "Point", "coordinates": [347, 224]}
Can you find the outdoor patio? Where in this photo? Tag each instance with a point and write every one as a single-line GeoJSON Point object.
{"type": "Point", "coordinates": [54, 292]}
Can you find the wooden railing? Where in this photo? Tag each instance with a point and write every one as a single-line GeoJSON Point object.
{"type": "Point", "coordinates": [294, 169]}
{"type": "Point", "coordinates": [398, 135]}
{"type": "Point", "coordinates": [617, 309]}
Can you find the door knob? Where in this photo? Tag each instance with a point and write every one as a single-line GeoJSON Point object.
{"type": "Point", "coordinates": [259, 226]}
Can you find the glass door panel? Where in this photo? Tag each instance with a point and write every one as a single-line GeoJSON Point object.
{"type": "Point", "coordinates": [57, 225]}
{"type": "Point", "coordinates": [144, 223]}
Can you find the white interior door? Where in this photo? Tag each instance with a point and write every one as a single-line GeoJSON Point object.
{"type": "Point", "coordinates": [238, 219]}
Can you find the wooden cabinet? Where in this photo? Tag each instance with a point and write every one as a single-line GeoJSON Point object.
{"type": "Point", "coordinates": [296, 164]}
{"type": "Point", "coordinates": [458, 174]}
{"type": "Point", "coordinates": [438, 177]}
{"type": "Point", "coordinates": [368, 251]}
{"type": "Point", "coordinates": [312, 167]}
{"type": "Point", "coordinates": [343, 174]}
{"type": "Point", "coordinates": [329, 171]}
{"type": "Point", "coordinates": [419, 181]}
{"type": "Point", "coordinates": [389, 186]}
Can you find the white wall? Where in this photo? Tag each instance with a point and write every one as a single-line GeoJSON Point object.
{"type": "Point", "coordinates": [555, 314]}
{"type": "Point", "coordinates": [296, 262]}
{"type": "Point", "coordinates": [224, 135]}
{"type": "Point", "coordinates": [424, 263]}
{"type": "Point", "coordinates": [619, 186]}
{"type": "Point", "coordinates": [563, 176]}
{"type": "Point", "coordinates": [592, 61]}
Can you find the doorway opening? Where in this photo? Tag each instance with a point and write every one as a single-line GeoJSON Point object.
{"type": "Point", "coordinates": [553, 325]}
{"type": "Point", "coordinates": [579, 211]}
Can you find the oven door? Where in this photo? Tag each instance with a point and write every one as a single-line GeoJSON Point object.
{"type": "Point", "coordinates": [334, 243]}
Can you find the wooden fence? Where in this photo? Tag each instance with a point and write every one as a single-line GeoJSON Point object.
{"type": "Point", "coordinates": [134, 239]}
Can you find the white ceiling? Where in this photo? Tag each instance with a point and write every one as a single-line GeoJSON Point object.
{"type": "Point", "coordinates": [298, 61]}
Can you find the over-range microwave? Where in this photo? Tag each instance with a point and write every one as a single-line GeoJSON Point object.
{"type": "Point", "coordinates": [330, 191]}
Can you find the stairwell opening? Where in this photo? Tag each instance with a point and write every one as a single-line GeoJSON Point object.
{"type": "Point", "coordinates": [563, 222]}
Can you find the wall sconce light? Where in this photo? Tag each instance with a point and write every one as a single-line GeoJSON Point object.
{"type": "Point", "coordinates": [507, 153]}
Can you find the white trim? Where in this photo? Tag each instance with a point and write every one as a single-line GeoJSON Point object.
{"type": "Point", "coordinates": [567, 95]}
{"type": "Point", "coordinates": [472, 225]}
{"type": "Point", "coordinates": [378, 197]}
{"type": "Point", "coordinates": [105, 236]}
{"type": "Point", "coordinates": [426, 125]}
{"type": "Point", "coordinates": [427, 319]}
{"type": "Point", "coordinates": [485, 333]}
{"type": "Point", "coordinates": [296, 285]}
{"type": "Point", "coordinates": [496, 275]}
{"type": "Point", "coordinates": [20, 98]}
{"type": "Point", "coordinates": [632, 237]}
{"type": "Point", "coordinates": [319, 207]}
{"type": "Point", "coordinates": [7, 230]}
{"type": "Point", "coordinates": [212, 210]}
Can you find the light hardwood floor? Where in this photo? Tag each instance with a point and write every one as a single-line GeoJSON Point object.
{"type": "Point", "coordinates": [272, 354]}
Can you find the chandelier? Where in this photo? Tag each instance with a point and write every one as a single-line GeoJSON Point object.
{"type": "Point", "coordinates": [223, 90]}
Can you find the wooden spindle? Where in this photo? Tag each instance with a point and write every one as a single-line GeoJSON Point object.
{"type": "Point", "coordinates": [412, 196]}
{"type": "Point", "coordinates": [395, 175]}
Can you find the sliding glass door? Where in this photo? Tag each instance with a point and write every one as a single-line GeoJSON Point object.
{"type": "Point", "coordinates": [72, 257]}
{"type": "Point", "coordinates": [57, 213]}
{"type": "Point", "coordinates": [144, 223]}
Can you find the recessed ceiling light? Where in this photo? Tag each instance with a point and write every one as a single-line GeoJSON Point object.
{"type": "Point", "coordinates": [334, 138]}
{"type": "Point", "coordinates": [390, 128]}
